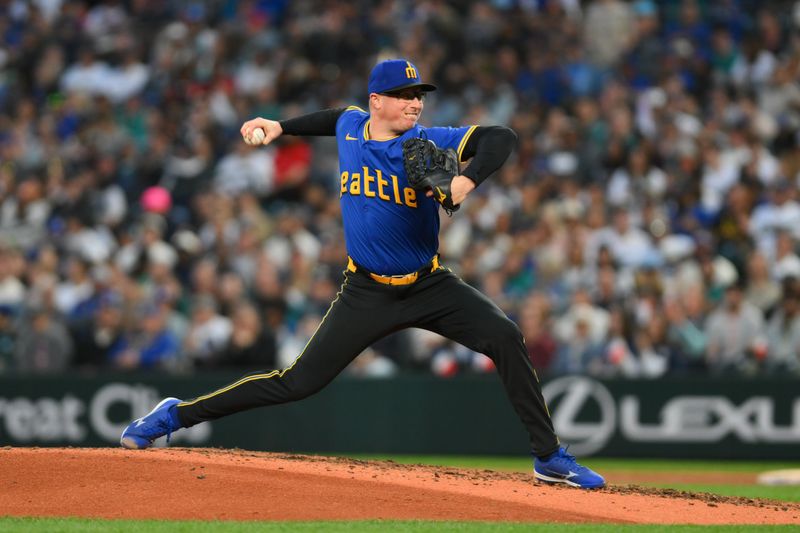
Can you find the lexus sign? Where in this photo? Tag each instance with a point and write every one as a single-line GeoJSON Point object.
{"type": "Point", "coordinates": [587, 416]}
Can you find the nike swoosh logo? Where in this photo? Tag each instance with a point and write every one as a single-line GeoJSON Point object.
{"type": "Point", "coordinates": [442, 195]}
{"type": "Point", "coordinates": [348, 138]}
{"type": "Point", "coordinates": [569, 475]}
{"type": "Point", "coordinates": [139, 422]}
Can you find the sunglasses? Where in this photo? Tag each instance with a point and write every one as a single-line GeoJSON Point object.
{"type": "Point", "coordinates": [408, 94]}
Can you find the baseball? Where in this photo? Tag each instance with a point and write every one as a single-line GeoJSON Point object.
{"type": "Point", "coordinates": [257, 136]}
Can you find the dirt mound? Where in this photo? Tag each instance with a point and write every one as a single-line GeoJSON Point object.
{"type": "Point", "coordinates": [191, 483]}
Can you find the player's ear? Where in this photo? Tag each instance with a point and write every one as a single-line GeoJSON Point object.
{"type": "Point", "coordinates": [375, 101]}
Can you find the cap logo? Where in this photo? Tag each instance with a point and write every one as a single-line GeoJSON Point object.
{"type": "Point", "coordinates": [411, 72]}
{"type": "Point", "coordinates": [395, 74]}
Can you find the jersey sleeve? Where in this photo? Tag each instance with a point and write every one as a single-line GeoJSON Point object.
{"type": "Point", "coordinates": [455, 138]}
{"type": "Point", "coordinates": [349, 120]}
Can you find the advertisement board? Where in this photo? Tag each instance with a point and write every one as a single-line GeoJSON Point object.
{"type": "Point", "coordinates": [703, 418]}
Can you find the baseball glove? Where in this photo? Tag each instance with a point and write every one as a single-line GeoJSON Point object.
{"type": "Point", "coordinates": [429, 167]}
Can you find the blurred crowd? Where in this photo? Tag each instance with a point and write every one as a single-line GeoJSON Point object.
{"type": "Point", "coordinates": [647, 224]}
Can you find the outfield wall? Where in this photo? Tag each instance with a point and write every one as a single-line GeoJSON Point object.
{"type": "Point", "coordinates": [703, 418]}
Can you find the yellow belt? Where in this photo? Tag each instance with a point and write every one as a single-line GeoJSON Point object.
{"type": "Point", "coordinates": [401, 279]}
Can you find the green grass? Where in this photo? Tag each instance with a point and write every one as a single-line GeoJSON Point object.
{"type": "Point", "coordinates": [74, 525]}
{"type": "Point", "coordinates": [609, 466]}
{"type": "Point", "coordinates": [694, 465]}
{"type": "Point", "coordinates": [523, 464]}
{"type": "Point", "coordinates": [778, 492]}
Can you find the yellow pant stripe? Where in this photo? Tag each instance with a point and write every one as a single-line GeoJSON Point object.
{"type": "Point", "coordinates": [272, 373]}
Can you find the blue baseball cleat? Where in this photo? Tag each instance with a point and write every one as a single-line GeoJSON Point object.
{"type": "Point", "coordinates": [142, 432]}
{"type": "Point", "coordinates": [561, 467]}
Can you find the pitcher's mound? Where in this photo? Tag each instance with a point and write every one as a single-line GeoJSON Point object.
{"type": "Point", "coordinates": [192, 483]}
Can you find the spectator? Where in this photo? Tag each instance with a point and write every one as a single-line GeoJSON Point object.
{"type": "Point", "coordinates": [762, 290]}
{"type": "Point", "coordinates": [653, 347]}
{"type": "Point", "coordinates": [616, 357]}
{"type": "Point", "coordinates": [12, 290]}
{"type": "Point", "coordinates": [582, 329]}
{"type": "Point", "coordinates": [779, 212]}
{"type": "Point", "coordinates": [250, 345]}
{"type": "Point", "coordinates": [23, 215]}
{"type": "Point", "coordinates": [581, 349]}
{"type": "Point", "coordinates": [783, 334]}
{"type": "Point", "coordinates": [209, 332]}
{"type": "Point", "coordinates": [8, 339]}
{"type": "Point", "coordinates": [734, 331]}
{"type": "Point", "coordinates": [230, 293]}
{"type": "Point", "coordinates": [536, 325]}
{"type": "Point", "coordinates": [97, 338]}
{"type": "Point", "coordinates": [245, 169]}
{"type": "Point", "coordinates": [205, 277]}
{"type": "Point", "coordinates": [720, 173]}
{"type": "Point", "coordinates": [132, 256]}
{"type": "Point", "coordinates": [629, 245]}
{"type": "Point", "coordinates": [43, 344]}
{"type": "Point", "coordinates": [148, 344]}
{"type": "Point", "coordinates": [786, 260]}
{"type": "Point", "coordinates": [686, 337]}
{"type": "Point", "coordinates": [638, 181]}
{"type": "Point", "coordinates": [77, 288]}
{"type": "Point", "coordinates": [88, 75]}
{"type": "Point", "coordinates": [607, 30]}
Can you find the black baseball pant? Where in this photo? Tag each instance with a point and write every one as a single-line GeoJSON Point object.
{"type": "Point", "coordinates": [366, 310]}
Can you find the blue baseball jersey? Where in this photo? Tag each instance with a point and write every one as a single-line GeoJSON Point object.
{"type": "Point", "coordinates": [389, 228]}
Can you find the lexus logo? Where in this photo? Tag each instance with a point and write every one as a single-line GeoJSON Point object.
{"type": "Point", "coordinates": [567, 398]}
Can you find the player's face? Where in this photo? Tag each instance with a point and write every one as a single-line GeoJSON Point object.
{"type": "Point", "coordinates": [403, 108]}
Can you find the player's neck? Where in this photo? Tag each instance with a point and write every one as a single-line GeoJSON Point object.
{"type": "Point", "coordinates": [380, 131]}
